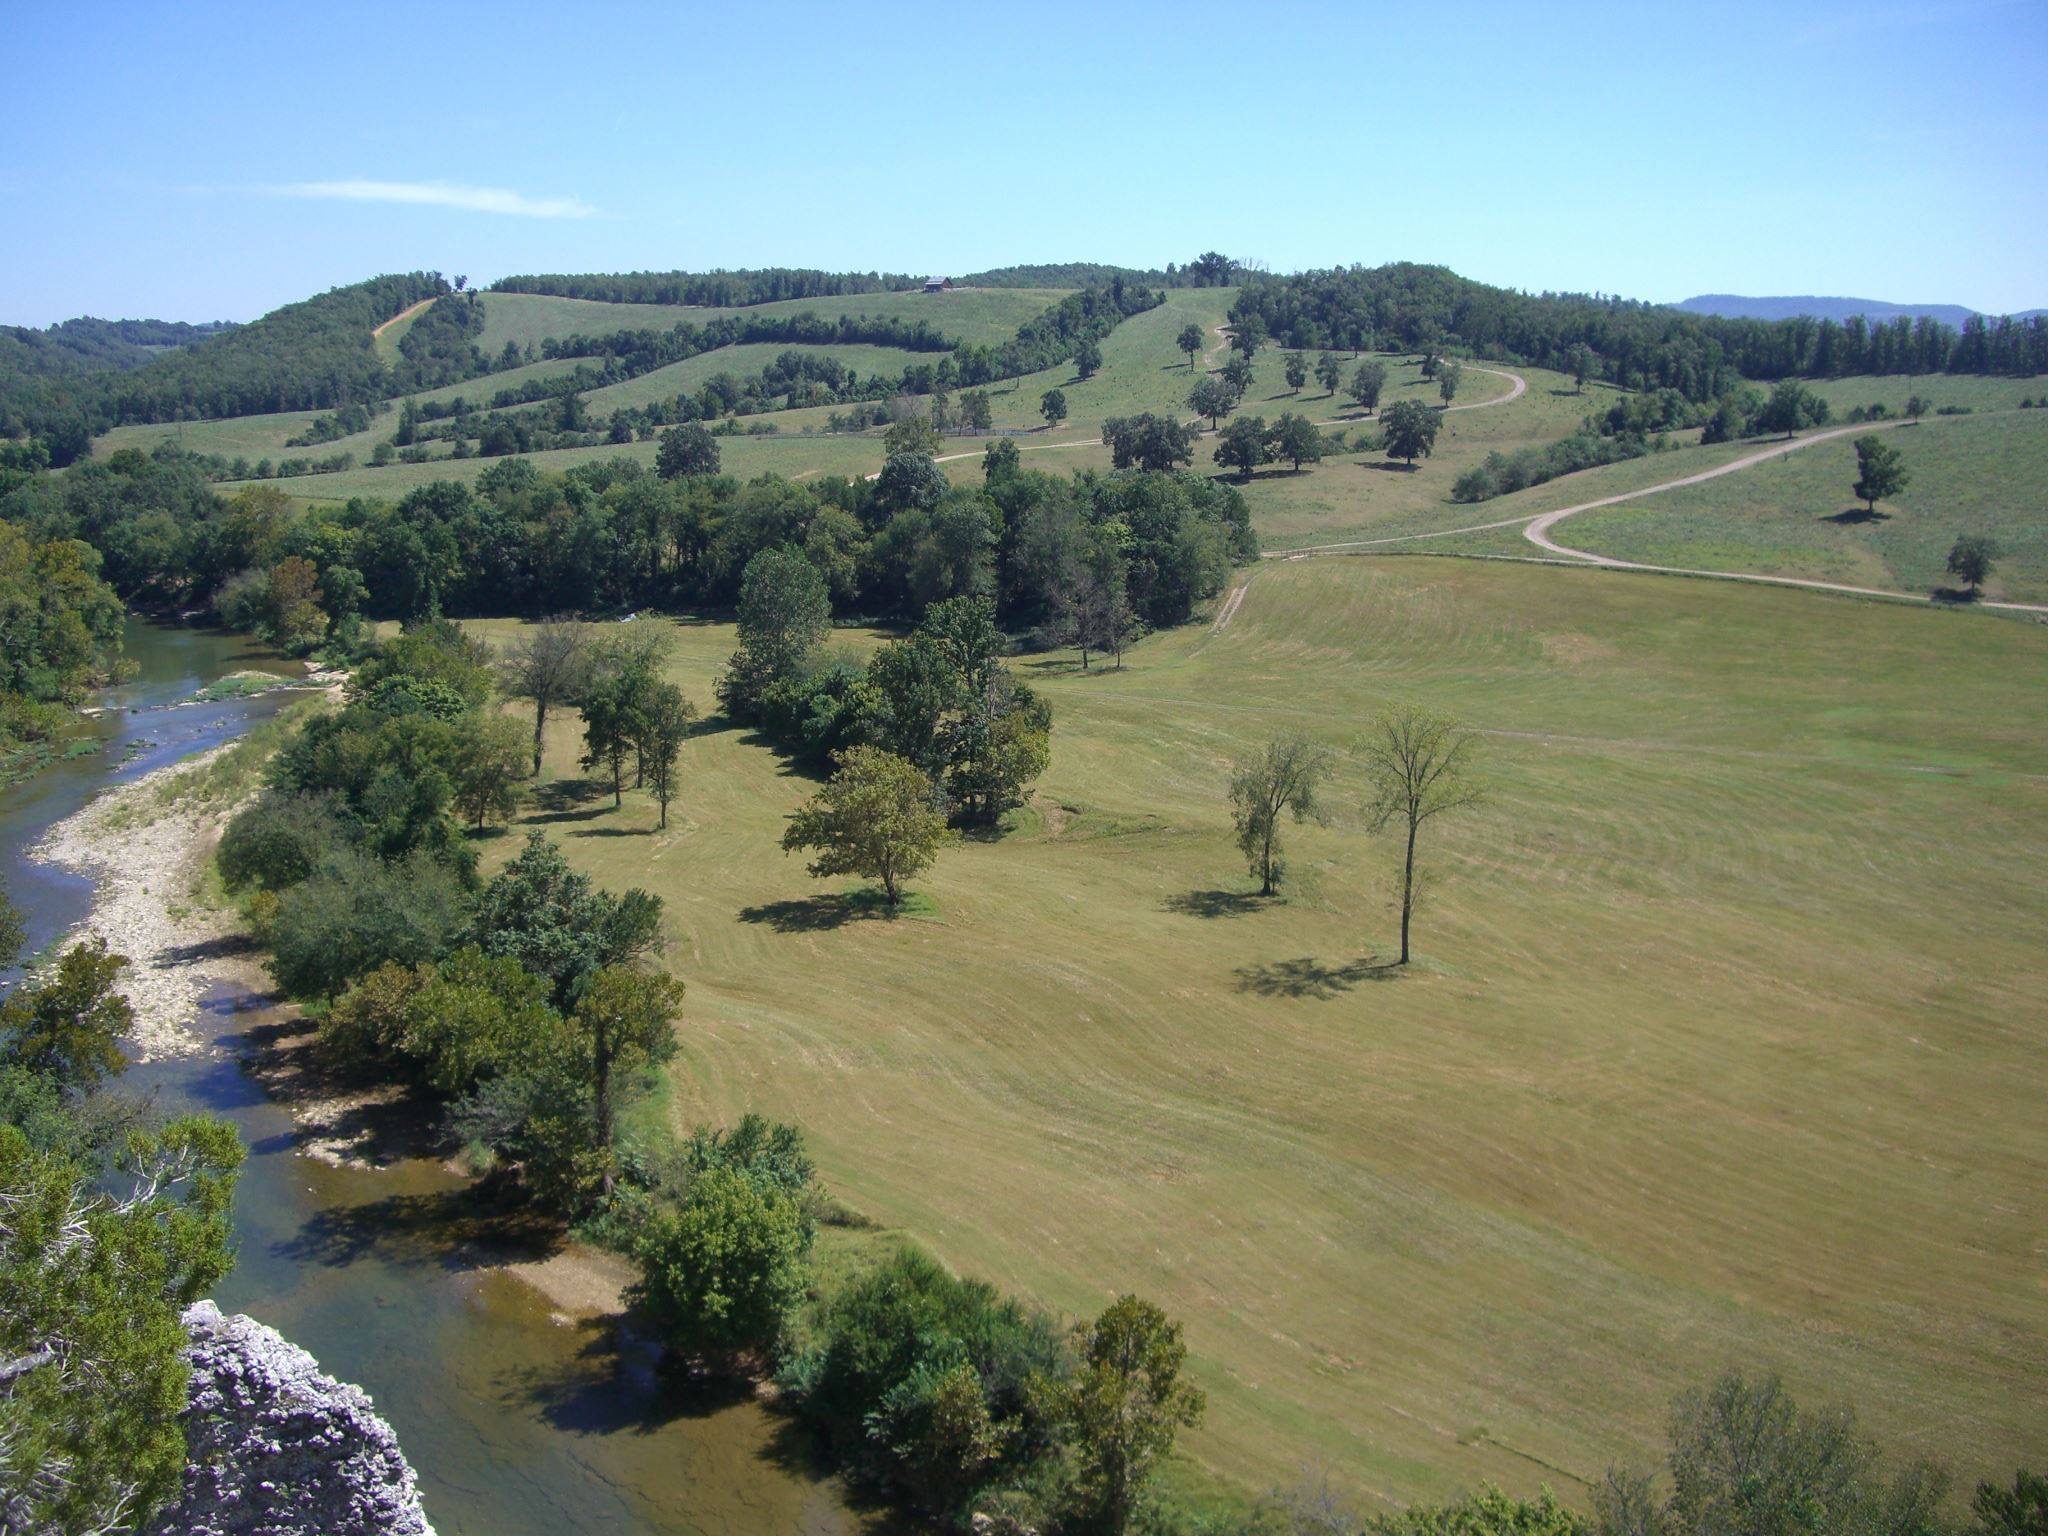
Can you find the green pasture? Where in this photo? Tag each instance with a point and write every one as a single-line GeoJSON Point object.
{"type": "Point", "coordinates": [1722, 1047]}
{"type": "Point", "coordinates": [1797, 516]}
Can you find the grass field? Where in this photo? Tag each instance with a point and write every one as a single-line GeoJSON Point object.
{"type": "Point", "coordinates": [969, 314]}
{"type": "Point", "coordinates": [1722, 1048]}
{"type": "Point", "coordinates": [1796, 516]}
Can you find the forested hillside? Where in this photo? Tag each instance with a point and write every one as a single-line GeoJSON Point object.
{"type": "Point", "coordinates": [89, 345]}
{"type": "Point", "coordinates": [310, 355]}
{"type": "Point", "coordinates": [724, 290]}
{"type": "Point", "coordinates": [1636, 345]}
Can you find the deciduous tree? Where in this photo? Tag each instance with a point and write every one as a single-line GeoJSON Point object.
{"type": "Point", "coordinates": [722, 1273]}
{"type": "Point", "coordinates": [1124, 1405]}
{"type": "Point", "coordinates": [1298, 440]}
{"type": "Point", "coordinates": [1280, 779]}
{"type": "Point", "coordinates": [1190, 342]}
{"type": "Point", "coordinates": [1880, 471]}
{"type": "Point", "coordinates": [875, 818]}
{"type": "Point", "coordinates": [547, 664]}
{"type": "Point", "coordinates": [1212, 397]}
{"type": "Point", "coordinates": [1410, 428]}
{"type": "Point", "coordinates": [1052, 405]}
{"type": "Point", "coordinates": [1366, 383]}
{"type": "Point", "coordinates": [1418, 766]}
{"type": "Point", "coordinates": [666, 719]}
{"type": "Point", "coordinates": [1296, 371]}
{"type": "Point", "coordinates": [1243, 445]}
{"type": "Point", "coordinates": [1971, 557]}
{"type": "Point", "coordinates": [685, 451]}
{"type": "Point", "coordinates": [1329, 372]}
{"type": "Point", "coordinates": [624, 1019]}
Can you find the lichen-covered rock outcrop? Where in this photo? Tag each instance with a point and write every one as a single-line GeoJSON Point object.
{"type": "Point", "coordinates": [278, 1448]}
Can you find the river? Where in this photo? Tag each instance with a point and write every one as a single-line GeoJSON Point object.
{"type": "Point", "coordinates": [517, 1420]}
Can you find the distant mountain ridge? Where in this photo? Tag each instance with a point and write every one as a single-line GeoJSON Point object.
{"type": "Point", "coordinates": [1735, 306]}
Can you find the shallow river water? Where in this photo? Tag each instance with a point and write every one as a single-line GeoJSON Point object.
{"type": "Point", "coordinates": [517, 1422]}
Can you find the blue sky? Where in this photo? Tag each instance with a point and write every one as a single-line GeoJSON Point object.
{"type": "Point", "coordinates": [200, 161]}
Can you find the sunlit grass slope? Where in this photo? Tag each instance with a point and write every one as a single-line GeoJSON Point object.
{"type": "Point", "coordinates": [1723, 1046]}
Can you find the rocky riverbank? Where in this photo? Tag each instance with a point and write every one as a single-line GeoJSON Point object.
{"type": "Point", "coordinates": [278, 1448]}
{"type": "Point", "coordinates": [145, 845]}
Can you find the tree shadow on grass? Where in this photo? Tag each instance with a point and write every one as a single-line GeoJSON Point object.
{"type": "Point", "coordinates": [1389, 466]}
{"type": "Point", "coordinates": [567, 800]}
{"type": "Point", "coordinates": [1309, 977]}
{"type": "Point", "coordinates": [1215, 903]}
{"type": "Point", "coordinates": [1960, 597]}
{"type": "Point", "coordinates": [613, 832]}
{"type": "Point", "coordinates": [820, 914]}
{"type": "Point", "coordinates": [1858, 515]}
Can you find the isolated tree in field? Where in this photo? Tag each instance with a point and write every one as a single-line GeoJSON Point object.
{"type": "Point", "coordinates": [1148, 442]}
{"type": "Point", "coordinates": [1052, 405]}
{"type": "Point", "coordinates": [547, 664]}
{"type": "Point", "coordinates": [1448, 378]}
{"type": "Point", "coordinates": [489, 758]}
{"type": "Point", "coordinates": [1243, 445]}
{"type": "Point", "coordinates": [1791, 406]}
{"type": "Point", "coordinates": [1237, 373]}
{"type": "Point", "coordinates": [1281, 779]}
{"type": "Point", "coordinates": [1246, 334]}
{"type": "Point", "coordinates": [1296, 371]}
{"type": "Point", "coordinates": [1915, 407]}
{"type": "Point", "coordinates": [1581, 365]}
{"type": "Point", "coordinates": [1366, 384]}
{"type": "Point", "coordinates": [1298, 440]}
{"type": "Point", "coordinates": [1329, 373]}
{"type": "Point", "coordinates": [1418, 766]}
{"type": "Point", "coordinates": [1087, 359]}
{"type": "Point", "coordinates": [875, 818]}
{"type": "Point", "coordinates": [623, 1021]}
{"type": "Point", "coordinates": [686, 450]}
{"type": "Point", "coordinates": [1124, 1405]}
{"type": "Point", "coordinates": [1212, 397]}
{"type": "Point", "coordinates": [665, 721]}
{"type": "Point", "coordinates": [1190, 342]}
{"type": "Point", "coordinates": [1971, 557]}
{"type": "Point", "coordinates": [1430, 363]}
{"type": "Point", "coordinates": [1880, 471]}
{"type": "Point", "coordinates": [976, 413]}
{"type": "Point", "coordinates": [1410, 429]}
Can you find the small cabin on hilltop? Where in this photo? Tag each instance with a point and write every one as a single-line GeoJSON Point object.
{"type": "Point", "coordinates": [937, 284]}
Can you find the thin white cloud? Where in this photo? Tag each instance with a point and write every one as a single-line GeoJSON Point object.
{"type": "Point", "coordinates": [442, 194]}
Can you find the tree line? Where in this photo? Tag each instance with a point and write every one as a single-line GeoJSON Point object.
{"type": "Point", "coordinates": [1636, 345]}
{"type": "Point", "coordinates": [617, 535]}
{"type": "Point", "coordinates": [60, 637]}
{"type": "Point", "coordinates": [719, 289]}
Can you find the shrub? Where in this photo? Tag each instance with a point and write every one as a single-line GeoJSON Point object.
{"type": "Point", "coordinates": [880, 1377]}
{"type": "Point", "coordinates": [359, 912]}
{"type": "Point", "coordinates": [722, 1273]}
{"type": "Point", "coordinates": [281, 839]}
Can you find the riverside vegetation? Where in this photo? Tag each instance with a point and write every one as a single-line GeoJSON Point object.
{"type": "Point", "coordinates": [902, 643]}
